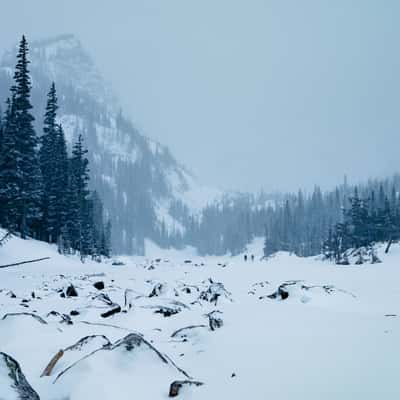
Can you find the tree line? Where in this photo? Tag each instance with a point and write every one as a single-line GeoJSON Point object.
{"type": "Point", "coordinates": [367, 220]}
{"type": "Point", "coordinates": [44, 191]}
{"type": "Point", "coordinates": [330, 222]}
{"type": "Point", "coordinates": [348, 220]}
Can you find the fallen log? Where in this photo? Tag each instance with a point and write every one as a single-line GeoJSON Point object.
{"type": "Point", "coordinates": [47, 371]}
{"type": "Point", "coordinates": [388, 246]}
{"type": "Point", "coordinates": [24, 262]}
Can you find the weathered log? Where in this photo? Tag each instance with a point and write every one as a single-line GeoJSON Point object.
{"type": "Point", "coordinates": [24, 262]}
{"type": "Point", "coordinates": [50, 366]}
{"type": "Point", "coordinates": [388, 246]}
{"type": "Point", "coordinates": [109, 313]}
{"type": "Point", "coordinates": [34, 316]}
{"type": "Point", "coordinates": [176, 333]}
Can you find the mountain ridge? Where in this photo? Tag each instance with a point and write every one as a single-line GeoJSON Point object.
{"type": "Point", "coordinates": [138, 178]}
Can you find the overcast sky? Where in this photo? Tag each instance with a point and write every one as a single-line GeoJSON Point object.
{"type": "Point", "coordinates": [252, 93]}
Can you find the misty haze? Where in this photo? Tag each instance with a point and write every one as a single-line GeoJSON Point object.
{"type": "Point", "coordinates": [199, 200]}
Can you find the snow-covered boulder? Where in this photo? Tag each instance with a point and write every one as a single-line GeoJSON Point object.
{"type": "Point", "coordinates": [128, 369]}
{"type": "Point", "coordinates": [68, 356]}
{"type": "Point", "coordinates": [214, 292]}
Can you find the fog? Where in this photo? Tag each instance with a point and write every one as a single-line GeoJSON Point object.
{"type": "Point", "coordinates": [247, 94]}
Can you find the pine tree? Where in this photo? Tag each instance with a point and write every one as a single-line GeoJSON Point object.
{"type": "Point", "coordinates": [106, 240]}
{"type": "Point", "coordinates": [1, 131]}
{"type": "Point", "coordinates": [78, 196]}
{"type": "Point", "coordinates": [54, 166]}
{"type": "Point", "coordinates": [10, 176]}
{"type": "Point", "coordinates": [30, 183]}
{"type": "Point", "coordinates": [97, 223]}
{"type": "Point", "coordinates": [47, 163]}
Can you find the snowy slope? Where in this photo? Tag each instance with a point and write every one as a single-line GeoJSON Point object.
{"type": "Point", "coordinates": [138, 178]}
{"type": "Point", "coordinates": [334, 337]}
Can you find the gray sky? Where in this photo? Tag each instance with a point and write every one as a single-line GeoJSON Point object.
{"type": "Point", "coordinates": [253, 93]}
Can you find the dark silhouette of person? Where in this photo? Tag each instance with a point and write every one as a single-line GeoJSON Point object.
{"type": "Point", "coordinates": [252, 257]}
{"type": "Point", "coordinates": [245, 257]}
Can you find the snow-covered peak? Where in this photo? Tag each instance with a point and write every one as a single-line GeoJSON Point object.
{"type": "Point", "coordinates": [63, 59]}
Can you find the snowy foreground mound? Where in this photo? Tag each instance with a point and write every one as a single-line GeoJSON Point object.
{"type": "Point", "coordinates": [197, 328]}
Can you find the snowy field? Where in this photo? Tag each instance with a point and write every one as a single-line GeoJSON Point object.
{"type": "Point", "coordinates": [328, 333]}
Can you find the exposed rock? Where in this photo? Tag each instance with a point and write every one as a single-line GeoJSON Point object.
{"type": "Point", "coordinates": [215, 320]}
{"type": "Point", "coordinates": [157, 290]}
{"type": "Point", "coordinates": [214, 291]}
{"type": "Point", "coordinates": [167, 311]}
{"type": "Point", "coordinates": [74, 313]}
{"type": "Point", "coordinates": [71, 291]}
{"type": "Point", "coordinates": [302, 291]}
{"type": "Point", "coordinates": [118, 263]}
{"type": "Point", "coordinates": [99, 285]}
{"type": "Point", "coordinates": [62, 318]}
{"type": "Point", "coordinates": [281, 293]}
{"type": "Point", "coordinates": [13, 384]}
{"type": "Point", "coordinates": [176, 386]}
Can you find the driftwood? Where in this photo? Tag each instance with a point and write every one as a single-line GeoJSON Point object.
{"type": "Point", "coordinates": [34, 316]}
{"type": "Point", "coordinates": [176, 333]}
{"type": "Point", "coordinates": [24, 262]}
{"type": "Point", "coordinates": [112, 311]}
{"type": "Point", "coordinates": [50, 366]}
{"type": "Point", "coordinates": [75, 347]}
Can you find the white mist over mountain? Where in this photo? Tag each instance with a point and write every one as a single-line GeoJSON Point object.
{"type": "Point", "coordinates": [246, 94]}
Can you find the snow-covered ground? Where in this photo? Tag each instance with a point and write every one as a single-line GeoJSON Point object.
{"type": "Point", "coordinates": [329, 332]}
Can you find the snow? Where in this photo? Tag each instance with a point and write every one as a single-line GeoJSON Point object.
{"type": "Point", "coordinates": [163, 216]}
{"type": "Point", "coordinates": [335, 337]}
{"type": "Point", "coordinates": [192, 193]}
{"type": "Point", "coordinates": [118, 145]}
{"type": "Point", "coordinates": [72, 124]}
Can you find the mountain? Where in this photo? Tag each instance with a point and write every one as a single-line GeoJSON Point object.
{"type": "Point", "coordinates": [147, 193]}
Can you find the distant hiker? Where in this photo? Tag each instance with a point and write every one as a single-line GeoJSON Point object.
{"type": "Point", "coordinates": [252, 257]}
{"type": "Point", "coordinates": [245, 257]}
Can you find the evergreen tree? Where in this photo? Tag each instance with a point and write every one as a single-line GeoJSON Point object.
{"type": "Point", "coordinates": [10, 176]}
{"type": "Point", "coordinates": [106, 240]}
{"type": "Point", "coordinates": [77, 219]}
{"type": "Point", "coordinates": [30, 182]}
{"type": "Point", "coordinates": [54, 168]}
